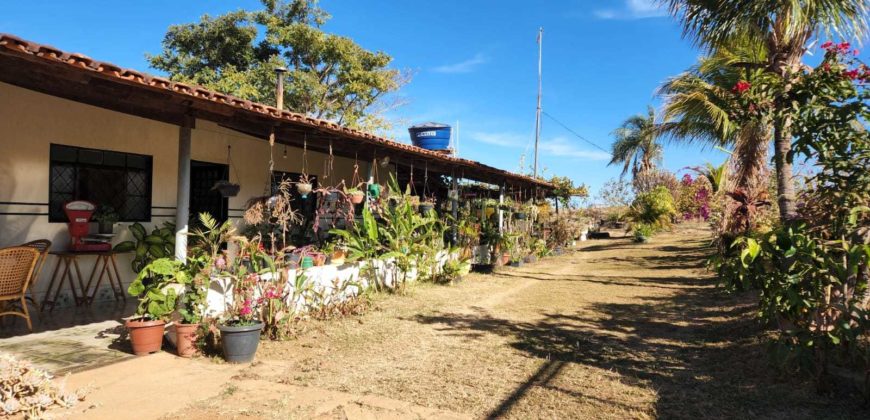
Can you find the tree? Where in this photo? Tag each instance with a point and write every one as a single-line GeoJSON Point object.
{"type": "Point", "coordinates": [703, 105]}
{"type": "Point", "coordinates": [565, 189]}
{"type": "Point", "coordinates": [785, 27]}
{"type": "Point", "coordinates": [329, 76]}
{"type": "Point", "coordinates": [636, 146]}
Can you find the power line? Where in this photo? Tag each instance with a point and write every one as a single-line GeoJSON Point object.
{"type": "Point", "coordinates": [575, 133]}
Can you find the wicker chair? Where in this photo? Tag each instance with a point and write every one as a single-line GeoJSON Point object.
{"type": "Point", "coordinates": [16, 267]}
{"type": "Point", "coordinates": [43, 246]}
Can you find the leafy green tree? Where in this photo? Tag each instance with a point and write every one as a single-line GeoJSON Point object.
{"type": "Point", "coordinates": [784, 27]}
{"type": "Point", "coordinates": [565, 189]}
{"type": "Point", "coordinates": [329, 76]}
{"type": "Point", "coordinates": [636, 145]}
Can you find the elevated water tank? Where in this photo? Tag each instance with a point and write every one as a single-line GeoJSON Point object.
{"type": "Point", "coordinates": [431, 136]}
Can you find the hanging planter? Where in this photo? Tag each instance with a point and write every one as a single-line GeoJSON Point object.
{"type": "Point", "coordinates": [356, 196]}
{"type": "Point", "coordinates": [375, 190]}
{"type": "Point", "coordinates": [225, 187]}
{"type": "Point", "coordinates": [520, 215]}
{"type": "Point", "coordinates": [304, 186]}
{"type": "Point", "coordinates": [426, 207]}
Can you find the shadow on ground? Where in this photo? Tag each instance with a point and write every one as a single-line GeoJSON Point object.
{"type": "Point", "coordinates": [702, 351]}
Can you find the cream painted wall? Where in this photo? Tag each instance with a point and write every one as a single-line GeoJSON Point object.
{"type": "Point", "coordinates": [31, 121]}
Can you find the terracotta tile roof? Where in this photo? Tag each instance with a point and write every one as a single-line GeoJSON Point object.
{"type": "Point", "coordinates": [20, 46]}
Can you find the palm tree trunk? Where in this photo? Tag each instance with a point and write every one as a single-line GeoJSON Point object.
{"type": "Point", "coordinates": [784, 185]}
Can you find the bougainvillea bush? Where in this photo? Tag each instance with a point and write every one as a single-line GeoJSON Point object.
{"type": "Point", "coordinates": [694, 197]}
{"type": "Point", "coordinates": [29, 392]}
{"type": "Point", "coordinates": [812, 271]}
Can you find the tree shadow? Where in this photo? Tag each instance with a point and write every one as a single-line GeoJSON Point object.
{"type": "Point", "coordinates": [702, 351]}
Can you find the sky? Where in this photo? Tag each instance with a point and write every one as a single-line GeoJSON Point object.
{"type": "Point", "coordinates": [472, 62]}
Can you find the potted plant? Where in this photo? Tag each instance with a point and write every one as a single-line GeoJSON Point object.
{"type": "Point", "coordinates": [191, 305]}
{"type": "Point", "coordinates": [427, 205]}
{"type": "Point", "coordinates": [643, 232]}
{"type": "Point", "coordinates": [355, 195]}
{"type": "Point", "coordinates": [304, 186]}
{"type": "Point", "coordinates": [157, 299]}
{"type": "Point", "coordinates": [240, 331]}
{"type": "Point", "coordinates": [106, 217]}
{"type": "Point", "coordinates": [226, 188]}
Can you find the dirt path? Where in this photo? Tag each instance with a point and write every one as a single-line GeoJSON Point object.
{"type": "Point", "coordinates": [613, 330]}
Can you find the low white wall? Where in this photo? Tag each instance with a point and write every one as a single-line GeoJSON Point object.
{"type": "Point", "coordinates": [334, 283]}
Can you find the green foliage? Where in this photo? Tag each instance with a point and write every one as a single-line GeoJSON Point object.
{"type": "Point", "coordinates": [153, 288]}
{"type": "Point", "coordinates": [149, 247]}
{"type": "Point", "coordinates": [106, 214]}
{"type": "Point", "coordinates": [643, 232]}
{"type": "Point", "coordinates": [655, 208]}
{"type": "Point", "coordinates": [329, 76]}
{"type": "Point", "coordinates": [812, 272]}
{"type": "Point", "coordinates": [565, 189]}
{"type": "Point", "coordinates": [636, 144]}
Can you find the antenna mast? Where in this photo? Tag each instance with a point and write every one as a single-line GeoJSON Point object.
{"type": "Point", "coordinates": [538, 112]}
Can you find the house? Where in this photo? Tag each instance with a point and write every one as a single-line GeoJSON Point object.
{"type": "Point", "coordinates": [77, 128]}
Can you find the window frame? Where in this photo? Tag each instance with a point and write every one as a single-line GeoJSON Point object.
{"type": "Point", "coordinates": [148, 172]}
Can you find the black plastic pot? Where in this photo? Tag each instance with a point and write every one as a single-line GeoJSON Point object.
{"type": "Point", "coordinates": [226, 189]}
{"type": "Point", "coordinates": [106, 228]}
{"type": "Point", "coordinates": [482, 268]}
{"type": "Point", "coordinates": [240, 343]}
{"type": "Point", "coordinates": [425, 208]}
{"type": "Point", "coordinates": [520, 216]}
{"type": "Point", "coordinates": [517, 263]}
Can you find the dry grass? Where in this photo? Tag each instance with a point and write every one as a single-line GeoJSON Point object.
{"type": "Point", "coordinates": [615, 330]}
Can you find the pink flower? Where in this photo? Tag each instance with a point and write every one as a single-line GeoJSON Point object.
{"type": "Point", "coordinates": [827, 45]}
{"type": "Point", "coordinates": [844, 47]}
{"type": "Point", "coordinates": [220, 263]}
{"type": "Point", "coordinates": [855, 52]}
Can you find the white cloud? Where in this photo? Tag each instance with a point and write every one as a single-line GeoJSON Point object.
{"type": "Point", "coordinates": [466, 66]}
{"type": "Point", "coordinates": [562, 147]}
{"type": "Point", "coordinates": [556, 147]}
{"type": "Point", "coordinates": [512, 140]}
{"type": "Point", "coordinates": [634, 9]}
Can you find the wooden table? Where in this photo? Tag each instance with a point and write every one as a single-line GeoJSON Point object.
{"type": "Point", "coordinates": [68, 267]}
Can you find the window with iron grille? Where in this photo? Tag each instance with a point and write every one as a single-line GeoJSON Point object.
{"type": "Point", "coordinates": [105, 178]}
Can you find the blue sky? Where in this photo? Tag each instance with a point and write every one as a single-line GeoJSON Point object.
{"type": "Point", "coordinates": [472, 61]}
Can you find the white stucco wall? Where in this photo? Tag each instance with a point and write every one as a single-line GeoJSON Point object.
{"type": "Point", "coordinates": [31, 121]}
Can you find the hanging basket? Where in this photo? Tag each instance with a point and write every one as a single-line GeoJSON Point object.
{"type": "Point", "coordinates": [375, 190]}
{"type": "Point", "coordinates": [425, 208]}
{"type": "Point", "coordinates": [357, 197]}
{"type": "Point", "coordinates": [226, 188]}
{"type": "Point", "coordinates": [304, 188]}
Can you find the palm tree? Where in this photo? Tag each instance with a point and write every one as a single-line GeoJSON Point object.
{"type": "Point", "coordinates": [700, 106]}
{"type": "Point", "coordinates": [784, 27]}
{"type": "Point", "coordinates": [636, 146]}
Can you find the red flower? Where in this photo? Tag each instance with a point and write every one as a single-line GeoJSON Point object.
{"type": "Point", "coordinates": [741, 86]}
{"type": "Point", "coordinates": [855, 52]}
{"type": "Point", "coordinates": [827, 44]}
{"type": "Point", "coordinates": [852, 74]}
{"type": "Point", "coordinates": [844, 47]}
{"type": "Point", "coordinates": [826, 67]}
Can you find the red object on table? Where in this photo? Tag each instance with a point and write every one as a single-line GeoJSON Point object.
{"type": "Point", "coordinates": [79, 214]}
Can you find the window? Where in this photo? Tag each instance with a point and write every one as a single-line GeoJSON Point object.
{"type": "Point", "coordinates": [119, 180]}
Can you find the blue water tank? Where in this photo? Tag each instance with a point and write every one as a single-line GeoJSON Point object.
{"type": "Point", "coordinates": [431, 136]}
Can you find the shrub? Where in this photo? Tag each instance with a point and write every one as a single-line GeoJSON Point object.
{"type": "Point", "coordinates": [642, 232]}
{"type": "Point", "coordinates": [655, 208]}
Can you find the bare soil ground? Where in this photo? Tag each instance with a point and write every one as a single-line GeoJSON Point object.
{"type": "Point", "coordinates": [611, 330]}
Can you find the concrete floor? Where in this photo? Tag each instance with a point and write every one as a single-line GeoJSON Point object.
{"type": "Point", "coordinates": [70, 339]}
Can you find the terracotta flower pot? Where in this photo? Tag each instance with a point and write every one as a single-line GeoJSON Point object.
{"type": "Point", "coordinates": [185, 339]}
{"type": "Point", "coordinates": [145, 336]}
{"type": "Point", "coordinates": [357, 197]}
{"type": "Point", "coordinates": [505, 258]}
